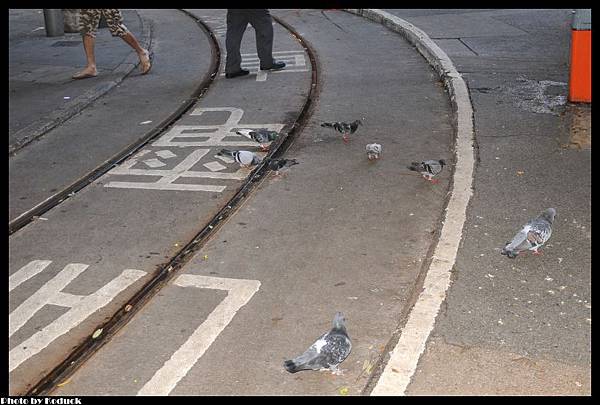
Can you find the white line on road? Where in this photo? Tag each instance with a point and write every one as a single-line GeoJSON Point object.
{"type": "Point", "coordinates": [174, 369]}
{"type": "Point", "coordinates": [50, 294]}
{"type": "Point", "coordinates": [27, 272]}
{"type": "Point", "coordinates": [405, 356]}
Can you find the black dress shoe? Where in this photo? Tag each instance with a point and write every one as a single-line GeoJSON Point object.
{"type": "Point", "coordinates": [275, 66]}
{"type": "Point", "coordinates": [242, 72]}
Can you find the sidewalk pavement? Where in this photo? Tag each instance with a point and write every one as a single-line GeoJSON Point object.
{"type": "Point", "coordinates": [530, 317]}
{"type": "Point", "coordinates": [42, 93]}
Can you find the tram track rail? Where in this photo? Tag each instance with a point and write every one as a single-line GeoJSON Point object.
{"type": "Point", "coordinates": [165, 272]}
{"type": "Point", "coordinates": [41, 208]}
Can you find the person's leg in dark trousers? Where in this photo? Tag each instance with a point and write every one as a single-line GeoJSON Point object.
{"type": "Point", "coordinates": [237, 21]}
{"type": "Point", "coordinates": [263, 26]}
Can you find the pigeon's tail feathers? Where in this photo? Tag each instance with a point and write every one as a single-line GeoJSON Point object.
{"type": "Point", "coordinates": [517, 244]}
{"type": "Point", "coordinates": [327, 124]}
{"type": "Point", "coordinates": [442, 162]}
{"type": "Point", "coordinates": [509, 253]}
{"type": "Point", "coordinates": [244, 132]}
{"type": "Point", "coordinates": [292, 162]}
{"type": "Point", "coordinates": [226, 152]}
{"type": "Point", "coordinates": [415, 167]}
{"type": "Point", "coordinates": [290, 366]}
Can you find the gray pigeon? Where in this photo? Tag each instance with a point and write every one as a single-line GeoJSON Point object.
{"type": "Point", "coordinates": [277, 164]}
{"type": "Point", "coordinates": [345, 128]}
{"type": "Point", "coordinates": [328, 351]}
{"type": "Point", "coordinates": [373, 151]}
{"type": "Point", "coordinates": [532, 236]}
{"type": "Point", "coordinates": [243, 157]}
{"type": "Point", "coordinates": [428, 168]}
{"type": "Point", "coordinates": [261, 135]}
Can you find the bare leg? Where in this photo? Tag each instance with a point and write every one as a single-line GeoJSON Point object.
{"type": "Point", "coordinates": [90, 69]}
{"type": "Point", "coordinates": [143, 54]}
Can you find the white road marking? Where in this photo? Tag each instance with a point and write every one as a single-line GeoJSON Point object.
{"type": "Point", "coordinates": [165, 154]}
{"type": "Point", "coordinates": [225, 159]}
{"type": "Point", "coordinates": [26, 272]}
{"type": "Point", "coordinates": [261, 76]}
{"type": "Point", "coordinates": [154, 163]}
{"type": "Point", "coordinates": [295, 62]}
{"type": "Point", "coordinates": [206, 136]}
{"type": "Point", "coordinates": [214, 166]}
{"type": "Point", "coordinates": [166, 187]}
{"type": "Point", "coordinates": [405, 356]}
{"type": "Point", "coordinates": [174, 369]}
{"type": "Point", "coordinates": [50, 294]}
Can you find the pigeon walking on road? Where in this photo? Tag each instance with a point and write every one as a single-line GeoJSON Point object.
{"type": "Point", "coordinates": [243, 157]}
{"type": "Point", "coordinates": [532, 236]}
{"type": "Point", "coordinates": [261, 135]}
{"type": "Point", "coordinates": [428, 168]}
{"type": "Point", "coordinates": [327, 352]}
{"type": "Point", "coordinates": [345, 128]}
{"type": "Point", "coordinates": [279, 164]}
{"type": "Point", "coordinates": [373, 151]}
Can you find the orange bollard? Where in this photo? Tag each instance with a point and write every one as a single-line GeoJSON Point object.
{"type": "Point", "coordinates": [580, 80]}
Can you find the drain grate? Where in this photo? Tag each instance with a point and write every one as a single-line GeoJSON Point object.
{"type": "Point", "coordinates": [67, 43]}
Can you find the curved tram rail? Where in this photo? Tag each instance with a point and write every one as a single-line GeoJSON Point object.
{"type": "Point", "coordinates": [166, 271]}
{"type": "Point", "coordinates": [46, 205]}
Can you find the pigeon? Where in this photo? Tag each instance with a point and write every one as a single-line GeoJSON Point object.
{"type": "Point", "coordinates": [428, 168]}
{"type": "Point", "coordinates": [277, 164]}
{"type": "Point", "coordinates": [243, 157]}
{"type": "Point", "coordinates": [327, 352]}
{"type": "Point", "coordinates": [373, 151]}
{"type": "Point", "coordinates": [261, 135]}
{"type": "Point", "coordinates": [532, 236]}
{"type": "Point", "coordinates": [344, 128]}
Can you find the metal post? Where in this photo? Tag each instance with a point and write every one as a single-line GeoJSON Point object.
{"type": "Point", "coordinates": [54, 22]}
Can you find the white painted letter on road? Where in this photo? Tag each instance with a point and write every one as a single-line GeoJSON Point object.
{"type": "Point", "coordinates": [51, 294]}
{"type": "Point", "coordinates": [174, 369]}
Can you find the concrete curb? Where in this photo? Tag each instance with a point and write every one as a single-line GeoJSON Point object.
{"type": "Point", "coordinates": [411, 344]}
{"type": "Point", "coordinates": [42, 126]}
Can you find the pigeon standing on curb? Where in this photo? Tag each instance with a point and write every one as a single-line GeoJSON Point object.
{"type": "Point", "coordinates": [327, 352]}
{"type": "Point", "coordinates": [373, 151]}
{"type": "Point", "coordinates": [345, 128]}
{"type": "Point", "coordinates": [278, 164]}
{"type": "Point", "coordinates": [261, 135]}
{"type": "Point", "coordinates": [243, 157]}
{"type": "Point", "coordinates": [532, 236]}
{"type": "Point", "coordinates": [428, 168]}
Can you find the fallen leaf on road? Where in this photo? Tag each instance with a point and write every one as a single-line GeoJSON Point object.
{"type": "Point", "coordinates": [344, 391]}
{"type": "Point", "coordinates": [97, 333]}
{"type": "Point", "coordinates": [63, 383]}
